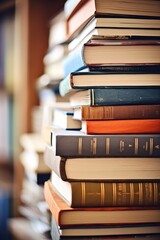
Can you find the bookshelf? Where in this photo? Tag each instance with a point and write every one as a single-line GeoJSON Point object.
{"type": "Point", "coordinates": [25, 24]}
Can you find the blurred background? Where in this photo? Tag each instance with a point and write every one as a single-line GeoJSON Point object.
{"type": "Point", "coordinates": [24, 30]}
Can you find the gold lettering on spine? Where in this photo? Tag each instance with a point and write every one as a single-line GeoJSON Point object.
{"type": "Point", "coordinates": [131, 193]}
{"type": "Point", "coordinates": [140, 193]}
{"type": "Point", "coordinates": [107, 145]}
{"type": "Point", "coordinates": [83, 187]}
{"type": "Point", "coordinates": [155, 193]}
{"type": "Point", "coordinates": [150, 192]}
{"type": "Point", "coordinates": [94, 145]}
{"type": "Point", "coordinates": [151, 146]}
{"type": "Point", "coordinates": [136, 146]}
{"type": "Point", "coordinates": [114, 194]}
{"type": "Point", "coordinates": [102, 194]}
{"type": "Point", "coordinates": [80, 141]}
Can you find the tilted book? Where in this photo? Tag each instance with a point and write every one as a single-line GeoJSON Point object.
{"type": "Point", "coordinates": [84, 79]}
{"type": "Point", "coordinates": [116, 96]}
{"type": "Point", "coordinates": [111, 51]}
{"type": "Point", "coordinates": [67, 216]}
{"type": "Point", "coordinates": [103, 169]}
{"type": "Point", "coordinates": [107, 194]}
{"type": "Point", "coordinates": [85, 10]}
{"type": "Point", "coordinates": [117, 112]}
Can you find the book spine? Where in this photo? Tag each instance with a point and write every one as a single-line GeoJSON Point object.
{"type": "Point", "coordinates": [133, 194]}
{"type": "Point", "coordinates": [120, 112]}
{"type": "Point", "coordinates": [65, 85]}
{"type": "Point", "coordinates": [74, 61]}
{"type": "Point", "coordinates": [132, 126]}
{"type": "Point", "coordinates": [122, 145]}
{"type": "Point", "coordinates": [124, 96]}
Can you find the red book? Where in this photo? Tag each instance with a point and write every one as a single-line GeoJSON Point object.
{"type": "Point", "coordinates": [121, 126]}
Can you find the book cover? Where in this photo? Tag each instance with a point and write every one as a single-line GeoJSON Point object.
{"type": "Point", "coordinates": [107, 194]}
{"type": "Point", "coordinates": [117, 112]}
{"type": "Point", "coordinates": [103, 169]}
{"type": "Point", "coordinates": [67, 216]}
{"type": "Point", "coordinates": [78, 144]}
{"type": "Point", "coordinates": [116, 96]}
{"type": "Point", "coordinates": [131, 126]}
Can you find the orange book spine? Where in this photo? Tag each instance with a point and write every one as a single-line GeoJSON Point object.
{"type": "Point", "coordinates": [121, 126]}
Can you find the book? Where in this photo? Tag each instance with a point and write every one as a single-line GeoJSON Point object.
{"type": "Point", "coordinates": [85, 10]}
{"type": "Point", "coordinates": [116, 112]}
{"type": "Point", "coordinates": [78, 144]}
{"type": "Point", "coordinates": [105, 233]}
{"type": "Point", "coordinates": [102, 169]}
{"type": "Point", "coordinates": [116, 96]}
{"type": "Point", "coordinates": [64, 119]}
{"type": "Point", "coordinates": [84, 79]}
{"type": "Point", "coordinates": [67, 216]}
{"type": "Point", "coordinates": [130, 126]}
{"type": "Point", "coordinates": [104, 26]}
{"type": "Point", "coordinates": [111, 51]}
{"type": "Point", "coordinates": [107, 194]}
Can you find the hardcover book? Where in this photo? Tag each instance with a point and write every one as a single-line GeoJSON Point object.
{"type": "Point", "coordinates": [118, 26]}
{"type": "Point", "coordinates": [78, 144]}
{"type": "Point", "coordinates": [85, 10]}
{"type": "Point", "coordinates": [131, 126]}
{"type": "Point", "coordinates": [107, 194]}
{"type": "Point", "coordinates": [116, 96]}
{"type": "Point", "coordinates": [111, 51]}
{"type": "Point", "coordinates": [67, 216]}
{"type": "Point", "coordinates": [103, 169]}
{"type": "Point", "coordinates": [117, 112]}
{"type": "Point", "coordinates": [105, 232]}
{"type": "Point", "coordinates": [85, 79]}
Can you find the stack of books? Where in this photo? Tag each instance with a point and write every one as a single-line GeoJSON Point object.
{"type": "Point", "coordinates": [105, 178]}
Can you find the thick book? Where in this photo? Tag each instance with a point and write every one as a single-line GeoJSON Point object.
{"type": "Point", "coordinates": [85, 10]}
{"type": "Point", "coordinates": [84, 79]}
{"type": "Point", "coordinates": [111, 51]}
{"type": "Point", "coordinates": [78, 144]}
{"type": "Point", "coordinates": [107, 194]}
{"type": "Point", "coordinates": [116, 96]}
{"type": "Point", "coordinates": [131, 232]}
{"type": "Point", "coordinates": [103, 169]}
{"type": "Point", "coordinates": [131, 126]}
{"type": "Point", "coordinates": [67, 216]}
{"type": "Point", "coordinates": [117, 112]}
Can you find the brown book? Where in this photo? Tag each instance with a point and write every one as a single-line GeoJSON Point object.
{"type": "Point", "coordinates": [102, 169]}
{"type": "Point", "coordinates": [67, 216]}
{"type": "Point", "coordinates": [130, 232]}
{"type": "Point", "coordinates": [117, 112]}
{"type": "Point", "coordinates": [107, 194]}
{"type": "Point", "coordinates": [121, 126]}
{"type": "Point", "coordinates": [85, 10]}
